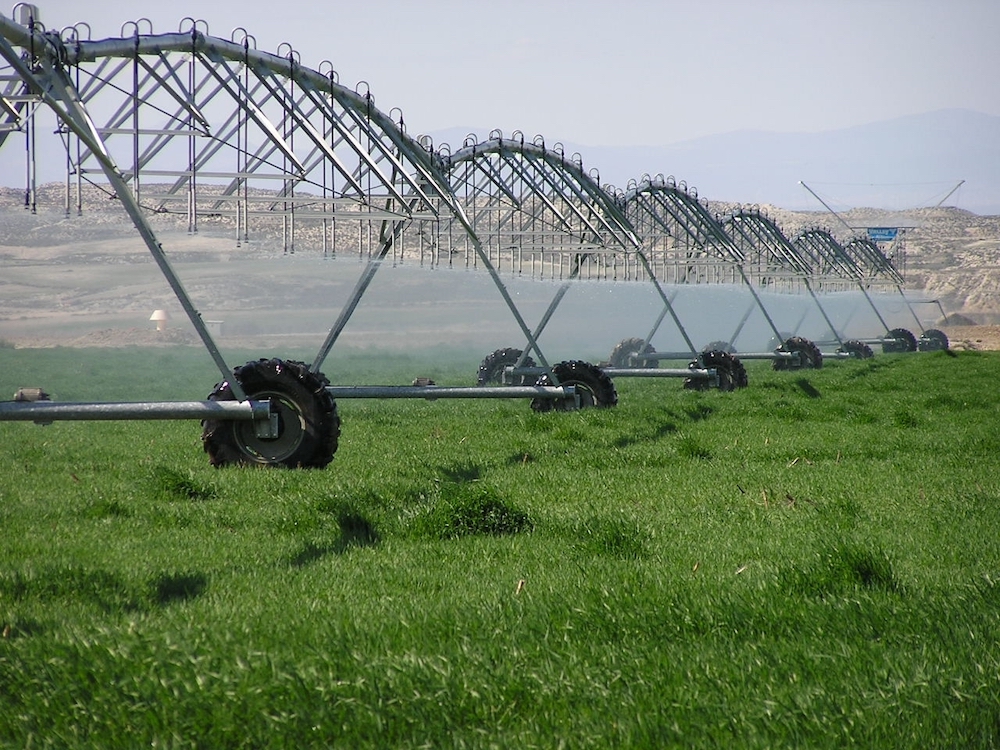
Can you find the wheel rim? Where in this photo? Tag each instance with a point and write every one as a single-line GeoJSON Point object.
{"type": "Point", "coordinates": [491, 370]}
{"type": "Point", "coordinates": [584, 394]}
{"type": "Point", "coordinates": [593, 387]}
{"type": "Point", "coordinates": [291, 431]}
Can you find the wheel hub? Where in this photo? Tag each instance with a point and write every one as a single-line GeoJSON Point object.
{"type": "Point", "coordinates": [284, 434]}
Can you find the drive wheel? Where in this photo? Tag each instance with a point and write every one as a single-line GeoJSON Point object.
{"type": "Point", "coordinates": [810, 357]}
{"type": "Point", "coordinates": [307, 420]}
{"type": "Point", "coordinates": [933, 340]}
{"type": "Point", "coordinates": [740, 379]}
{"type": "Point", "coordinates": [593, 387]}
{"type": "Point", "coordinates": [730, 372]}
{"type": "Point", "coordinates": [720, 346]}
{"type": "Point", "coordinates": [492, 367]}
{"type": "Point", "coordinates": [857, 349]}
{"type": "Point", "coordinates": [627, 350]}
{"type": "Point", "coordinates": [899, 340]}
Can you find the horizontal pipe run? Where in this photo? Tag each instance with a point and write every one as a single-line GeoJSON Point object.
{"type": "Point", "coordinates": [660, 372]}
{"type": "Point", "coordinates": [658, 356]}
{"type": "Point", "coordinates": [433, 392]}
{"type": "Point", "coordinates": [881, 340]}
{"type": "Point", "coordinates": [52, 411]}
{"type": "Point", "coordinates": [768, 355]}
{"type": "Point", "coordinates": [627, 372]}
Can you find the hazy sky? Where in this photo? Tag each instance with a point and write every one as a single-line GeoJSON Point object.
{"type": "Point", "coordinates": [617, 72]}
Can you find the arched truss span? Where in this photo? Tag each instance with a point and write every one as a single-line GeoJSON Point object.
{"type": "Point", "coordinates": [830, 263]}
{"type": "Point", "coordinates": [205, 126]}
{"type": "Point", "coordinates": [538, 213]}
{"type": "Point", "coordinates": [681, 238]}
{"type": "Point", "coordinates": [685, 243]}
{"type": "Point", "coordinates": [858, 259]}
{"type": "Point", "coordinates": [770, 257]}
{"type": "Point", "coordinates": [774, 260]}
{"type": "Point", "coordinates": [873, 261]}
{"type": "Point", "coordinates": [859, 262]}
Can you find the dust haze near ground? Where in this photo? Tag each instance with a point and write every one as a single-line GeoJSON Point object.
{"type": "Point", "coordinates": [88, 280]}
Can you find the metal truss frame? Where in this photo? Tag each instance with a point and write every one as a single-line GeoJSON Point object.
{"type": "Point", "coordinates": [771, 257]}
{"type": "Point", "coordinates": [257, 136]}
{"type": "Point", "coordinates": [686, 242]}
{"type": "Point", "coordinates": [540, 213]}
{"type": "Point", "coordinates": [859, 263]}
{"type": "Point", "coordinates": [188, 123]}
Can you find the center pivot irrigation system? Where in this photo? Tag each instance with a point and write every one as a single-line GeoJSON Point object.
{"type": "Point", "coordinates": [193, 123]}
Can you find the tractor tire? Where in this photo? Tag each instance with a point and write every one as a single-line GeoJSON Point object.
{"type": "Point", "coordinates": [731, 372]}
{"type": "Point", "coordinates": [622, 355]}
{"type": "Point", "coordinates": [933, 340]}
{"type": "Point", "coordinates": [492, 367]}
{"type": "Point", "coordinates": [720, 346]}
{"type": "Point", "coordinates": [857, 349]}
{"type": "Point", "coordinates": [740, 379]}
{"type": "Point", "coordinates": [593, 387]}
{"type": "Point", "coordinates": [775, 344]}
{"type": "Point", "coordinates": [308, 424]}
{"type": "Point", "coordinates": [810, 357]}
{"type": "Point", "coordinates": [899, 340]}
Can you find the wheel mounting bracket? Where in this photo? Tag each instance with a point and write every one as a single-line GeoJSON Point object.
{"type": "Point", "coordinates": [267, 429]}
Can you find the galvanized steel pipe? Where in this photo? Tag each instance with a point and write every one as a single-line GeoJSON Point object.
{"type": "Point", "coordinates": [432, 392]}
{"type": "Point", "coordinates": [51, 411]}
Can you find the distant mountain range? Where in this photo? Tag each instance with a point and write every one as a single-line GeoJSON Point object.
{"type": "Point", "coordinates": [906, 162]}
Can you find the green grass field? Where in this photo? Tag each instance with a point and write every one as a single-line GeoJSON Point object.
{"type": "Point", "coordinates": [811, 562]}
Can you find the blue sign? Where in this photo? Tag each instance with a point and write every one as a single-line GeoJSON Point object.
{"type": "Point", "coordinates": [882, 234]}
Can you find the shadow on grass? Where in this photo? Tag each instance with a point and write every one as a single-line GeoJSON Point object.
{"type": "Point", "coordinates": [460, 473]}
{"type": "Point", "coordinates": [688, 447]}
{"type": "Point", "coordinates": [103, 508]}
{"type": "Point", "coordinates": [808, 388]}
{"type": "Point", "coordinates": [102, 589]}
{"type": "Point", "coordinates": [619, 538]}
{"type": "Point", "coordinates": [524, 457]}
{"type": "Point", "coordinates": [355, 531]}
{"type": "Point", "coordinates": [869, 367]}
{"type": "Point", "coordinates": [175, 485]}
{"type": "Point", "coordinates": [168, 588]}
{"type": "Point", "coordinates": [699, 412]}
{"type": "Point", "coordinates": [658, 431]}
{"type": "Point", "coordinates": [842, 568]}
{"type": "Point", "coordinates": [21, 627]}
